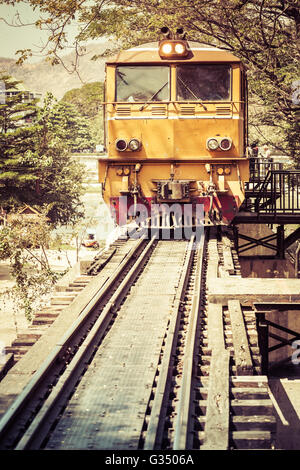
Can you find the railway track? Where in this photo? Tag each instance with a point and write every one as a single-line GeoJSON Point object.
{"type": "Point", "coordinates": [150, 364]}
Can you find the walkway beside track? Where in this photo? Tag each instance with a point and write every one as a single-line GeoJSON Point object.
{"type": "Point", "coordinates": [253, 290]}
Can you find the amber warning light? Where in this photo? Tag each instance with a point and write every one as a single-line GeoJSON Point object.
{"type": "Point", "coordinates": [169, 49]}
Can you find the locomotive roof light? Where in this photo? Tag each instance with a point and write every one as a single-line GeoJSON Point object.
{"type": "Point", "coordinates": [225, 143]}
{"type": "Point", "coordinates": [166, 48]}
{"type": "Point", "coordinates": [134, 145]}
{"type": "Point", "coordinates": [121, 145]}
{"type": "Point", "coordinates": [212, 144]}
{"type": "Point", "coordinates": [179, 48]}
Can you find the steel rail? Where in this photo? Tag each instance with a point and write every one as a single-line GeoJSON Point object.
{"type": "Point", "coordinates": [20, 402]}
{"type": "Point", "coordinates": [183, 415]}
{"type": "Point", "coordinates": [155, 426]}
{"type": "Point", "coordinates": [40, 426]}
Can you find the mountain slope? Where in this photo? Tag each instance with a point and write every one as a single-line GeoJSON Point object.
{"type": "Point", "coordinates": [42, 77]}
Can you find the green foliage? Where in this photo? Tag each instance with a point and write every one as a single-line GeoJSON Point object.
{"type": "Point", "coordinates": [88, 102]}
{"type": "Point", "coordinates": [70, 127]}
{"type": "Point", "coordinates": [35, 163]}
{"type": "Point", "coordinates": [16, 138]}
{"type": "Point", "coordinates": [87, 99]}
{"type": "Point", "coordinates": [97, 128]}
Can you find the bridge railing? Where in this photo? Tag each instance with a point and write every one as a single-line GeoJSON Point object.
{"type": "Point", "coordinates": [279, 193]}
{"type": "Point", "coordinates": [258, 172]}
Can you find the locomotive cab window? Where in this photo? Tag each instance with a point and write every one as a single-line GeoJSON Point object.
{"type": "Point", "coordinates": [204, 82]}
{"type": "Point", "coordinates": [142, 83]}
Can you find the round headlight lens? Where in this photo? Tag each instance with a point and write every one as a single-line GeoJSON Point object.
{"type": "Point", "coordinates": [225, 144]}
{"type": "Point", "coordinates": [166, 48]}
{"type": "Point", "coordinates": [179, 48]}
{"type": "Point", "coordinates": [121, 145]}
{"type": "Point", "coordinates": [212, 144]}
{"type": "Point", "coordinates": [134, 144]}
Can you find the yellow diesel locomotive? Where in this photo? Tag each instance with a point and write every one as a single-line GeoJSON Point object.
{"type": "Point", "coordinates": [175, 130]}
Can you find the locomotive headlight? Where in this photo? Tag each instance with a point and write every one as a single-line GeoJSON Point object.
{"type": "Point", "coordinates": [134, 145]}
{"type": "Point", "coordinates": [166, 48]}
{"type": "Point", "coordinates": [212, 144]}
{"type": "Point", "coordinates": [179, 48]}
{"type": "Point", "coordinates": [121, 145]}
{"type": "Point", "coordinates": [225, 143]}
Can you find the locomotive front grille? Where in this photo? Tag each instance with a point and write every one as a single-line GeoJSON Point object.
{"type": "Point", "coordinates": [223, 110]}
{"type": "Point", "coordinates": [158, 110]}
{"type": "Point", "coordinates": [123, 111]}
{"type": "Point", "coordinates": [187, 110]}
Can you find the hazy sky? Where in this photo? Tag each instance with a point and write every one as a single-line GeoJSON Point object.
{"type": "Point", "coordinates": [14, 38]}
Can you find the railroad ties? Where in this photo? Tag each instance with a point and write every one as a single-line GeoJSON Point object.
{"type": "Point", "coordinates": [232, 402]}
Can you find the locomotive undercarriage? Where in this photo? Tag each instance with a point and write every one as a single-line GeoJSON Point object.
{"type": "Point", "coordinates": [207, 210]}
{"type": "Point", "coordinates": [211, 198]}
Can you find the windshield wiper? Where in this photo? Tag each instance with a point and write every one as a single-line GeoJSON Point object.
{"type": "Point", "coordinates": [192, 93]}
{"type": "Point", "coordinates": [122, 75]}
{"type": "Point", "coordinates": [153, 96]}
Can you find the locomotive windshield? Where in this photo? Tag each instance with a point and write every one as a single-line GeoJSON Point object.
{"type": "Point", "coordinates": [140, 83]}
{"type": "Point", "coordinates": [203, 82]}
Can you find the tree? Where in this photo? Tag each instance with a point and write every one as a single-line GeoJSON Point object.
{"type": "Point", "coordinates": [263, 33]}
{"type": "Point", "coordinates": [88, 102]}
{"type": "Point", "coordinates": [60, 182]}
{"type": "Point", "coordinates": [36, 167]}
{"type": "Point", "coordinates": [17, 138]}
{"type": "Point", "coordinates": [87, 99]}
{"type": "Point", "coordinates": [24, 241]}
{"type": "Point", "coordinates": [65, 122]}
